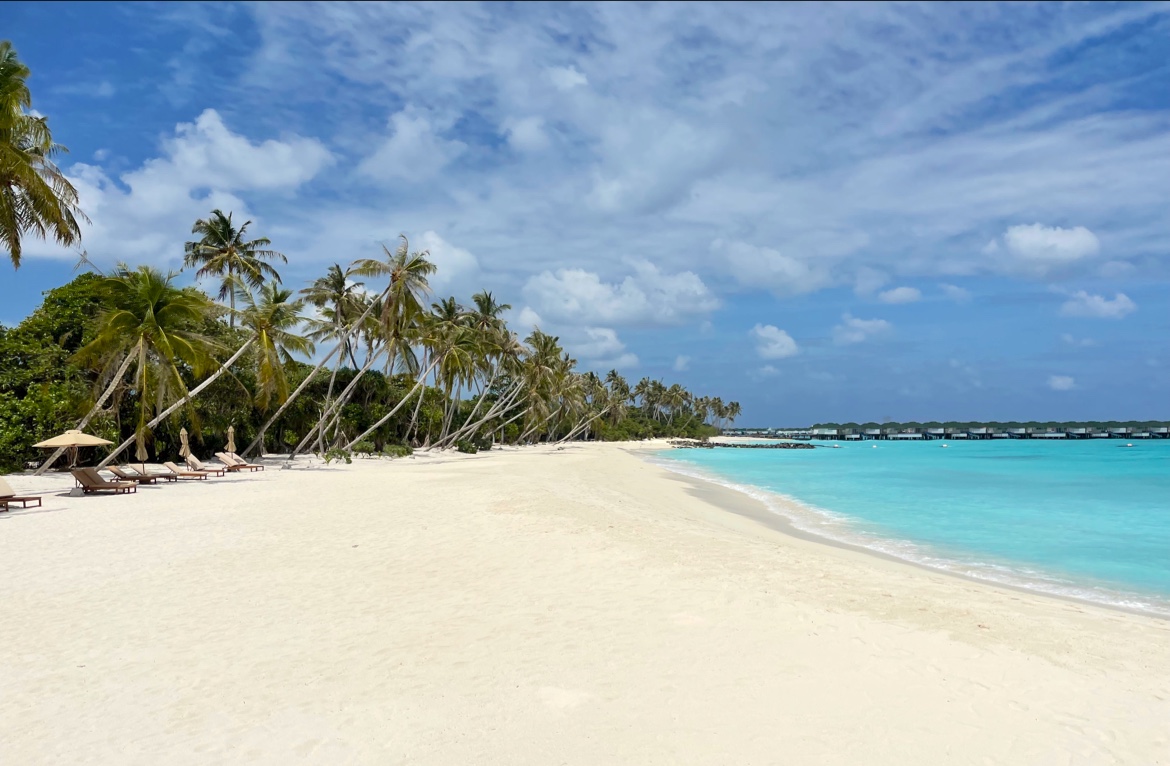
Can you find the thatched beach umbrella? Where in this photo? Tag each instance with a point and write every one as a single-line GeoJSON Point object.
{"type": "Point", "coordinates": [140, 451]}
{"type": "Point", "coordinates": [184, 447]}
{"type": "Point", "coordinates": [72, 439]}
{"type": "Point", "coordinates": [231, 442]}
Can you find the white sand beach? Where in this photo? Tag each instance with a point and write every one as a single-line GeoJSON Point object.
{"type": "Point", "coordinates": [530, 606]}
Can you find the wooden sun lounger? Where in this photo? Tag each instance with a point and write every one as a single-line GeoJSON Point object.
{"type": "Point", "coordinates": [234, 463]}
{"type": "Point", "coordinates": [179, 473]}
{"type": "Point", "coordinates": [131, 477]}
{"type": "Point", "coordinates": [195, 464]}
{"type": "Point", "coordinates": [91, 481]}
{"type": "Point", "coordinates": [9, 497]}
{"type": "Point", "coordinates": [164, 475]}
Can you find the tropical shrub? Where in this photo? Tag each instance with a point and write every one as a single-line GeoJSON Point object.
{"type": "Point", "coordinates": [466, 447]}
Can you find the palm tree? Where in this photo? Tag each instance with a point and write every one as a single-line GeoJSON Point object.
{"type": "Point", "coordinates": [35, 196]}
{"type": "Point", "coordinates": [222, 251]}
{"type": "Point", "coordinates": [402, 310]}
{"type": "Point", "coordinates": [272, 321]}
{"type": "Point", "coordinates": [339, 300]}
{"type": "Point", "coordinates": [155, 324]}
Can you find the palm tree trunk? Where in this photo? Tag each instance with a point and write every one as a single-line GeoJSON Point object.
{"type": "Point", "coordinates": [530, 431]}
{"type": "Point", "coordinates": [326, 417]}
{"type": "Point", "coordinates": [90, 415]}
{"type": "Point", "coordinates": [417, 385]}
{"type": "Point", "coordinates": [500, 404]}
{"type": "Point", "coordinates": [582, 426]}
{"type": "Point", "coordinates": [190, 395]}
{"type": "Point", "coordinates": [280, 410]}
{"type": "Point", "coordinates": [470, 423]}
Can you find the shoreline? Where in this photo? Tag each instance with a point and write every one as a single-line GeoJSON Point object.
{"type": "Point", "coordinates": [741, 502]}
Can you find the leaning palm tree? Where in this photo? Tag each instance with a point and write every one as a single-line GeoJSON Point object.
{"type": "Point", "coordinates": [35, 196]}
{"type": "Point", "coordinates": [223, 251]}
{"type": "Point", "coordinates": [402, 312]}
{"type": "Point", "coordinates": [156, 325]}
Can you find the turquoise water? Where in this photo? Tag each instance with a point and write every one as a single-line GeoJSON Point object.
{"type": "Point", "coordinates": [1089, 519]}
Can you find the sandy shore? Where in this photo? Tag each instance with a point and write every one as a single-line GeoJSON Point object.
{"type": "Point", "coordinates": [532, 606]}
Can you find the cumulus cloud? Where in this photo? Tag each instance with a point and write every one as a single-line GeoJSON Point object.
{"type": "Point", "coordinates": [648, 296]}
{"type": "Point", "coordinates": [1083, 304]}
{"type": "Point", "coordinates": [772, 342]}
{"type": "Point", "coordinates": [853, 330]}
{"type": "Point", "coordinates": [145, 214]}
{"type": "Point", "coordinates": [414, 150]}
{"type": "Point", "coordinates": [681, 363]}
{"type": "Point", "coordinates": [1039, 250]}
{"type": "Point", "coordinates": [955, 293]}
{"type": "Point", "coordinates": [768, 371]}
{"type": "Point", "coordinates": [1061, 382]}
{"type": "Point", "coordinates": [458, 269]}
{"type": "Point", "coordinates": [566, 78]}
{"type": "Point", "coordinates": [900, 295]}
{"type": "Point", "coordinates": [765, 267]}
{"type": "Point", "coordinates": [523, 321]}
{"type": "Point", "coordinates": [600, 347]}
{"type": "Point", "coordinates": [527, 134]}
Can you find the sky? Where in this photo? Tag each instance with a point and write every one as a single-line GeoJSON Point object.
{"type": "Point", "coordinates": [825, 212]}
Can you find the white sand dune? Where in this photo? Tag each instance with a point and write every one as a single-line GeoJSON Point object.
{"type": "Point", "coordinates": [530, 607]}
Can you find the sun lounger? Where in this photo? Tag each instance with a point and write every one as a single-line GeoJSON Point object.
{"type": "Point", "coordinates": [195, 464]}
{"type": "Point", "coordinates": [131, 477]}
{"type": "Point", "coordinates": [91, 481]}
{"type": "Point", "coordinates": [9, 497]}
{"type": "Point", "coordinates": [164, 475]}
{"type": "Point", "coordinates": [235, 464]}
{"type": "Point", "coordinates": [179, 473]}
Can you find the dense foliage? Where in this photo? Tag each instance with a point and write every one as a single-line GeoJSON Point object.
{"type": "Point", "coordinates": [458, 372]}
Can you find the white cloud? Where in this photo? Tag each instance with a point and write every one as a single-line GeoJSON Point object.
{"type": "Point", "coordinates": [681, 363]}
{"type": "Point", "coordinates": [566, 78]}
{"type": "Point", "coordinates": [1116, 269]}
{"type": "Point", "coordinates": [854, 330]}
{"type": "Point", "coordinates": [772, 342]}
{"type": "Point", "coordinates": [900, 295]}
{"type": "Point", "coordinates": [764, 267]}
{"type": "Point", "coordinates": [1083, 304]}
{"type": "Point", "coordinates": [413, 151]}
{"type": "Point", "coordinates": [768, 371]}
{"type": "Point", "coordinates": [527, 134]}
{"type": "Point", "coordinates": [648, 296]}
{"type": "Point", "coordinates": [458, 270]}
{"type": "Point", "coordinates": [955, 293]}
{"type": "Point", "coordinates": [599, 347]}
{"type": "Point", "coordinates": [146, 214]}
{"type": "Point", "coordinates": [760, 134]}
{"type": "Point", "coordinates": [524, 321]}
{"type": "Point", "coordinates": [1076, 342]}
{"type": "Point", "coordinates": [1039, 250]}
{"type": "Point", "coordinates": [1061, 383]}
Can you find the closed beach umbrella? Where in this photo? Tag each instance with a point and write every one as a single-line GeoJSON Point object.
{"type": "Point", "coordinates": [72, 439]}
{"type": "Point", "coordinates": [231, 444]}
{"type": "Point", "coordinates": [184, 447]}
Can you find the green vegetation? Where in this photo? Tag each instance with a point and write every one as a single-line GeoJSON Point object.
{"type": "Point", "coordinates": [134, 357]}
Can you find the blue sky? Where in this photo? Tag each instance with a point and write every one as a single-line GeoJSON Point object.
{"type": "Point", "coordinates": [826, 212]}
